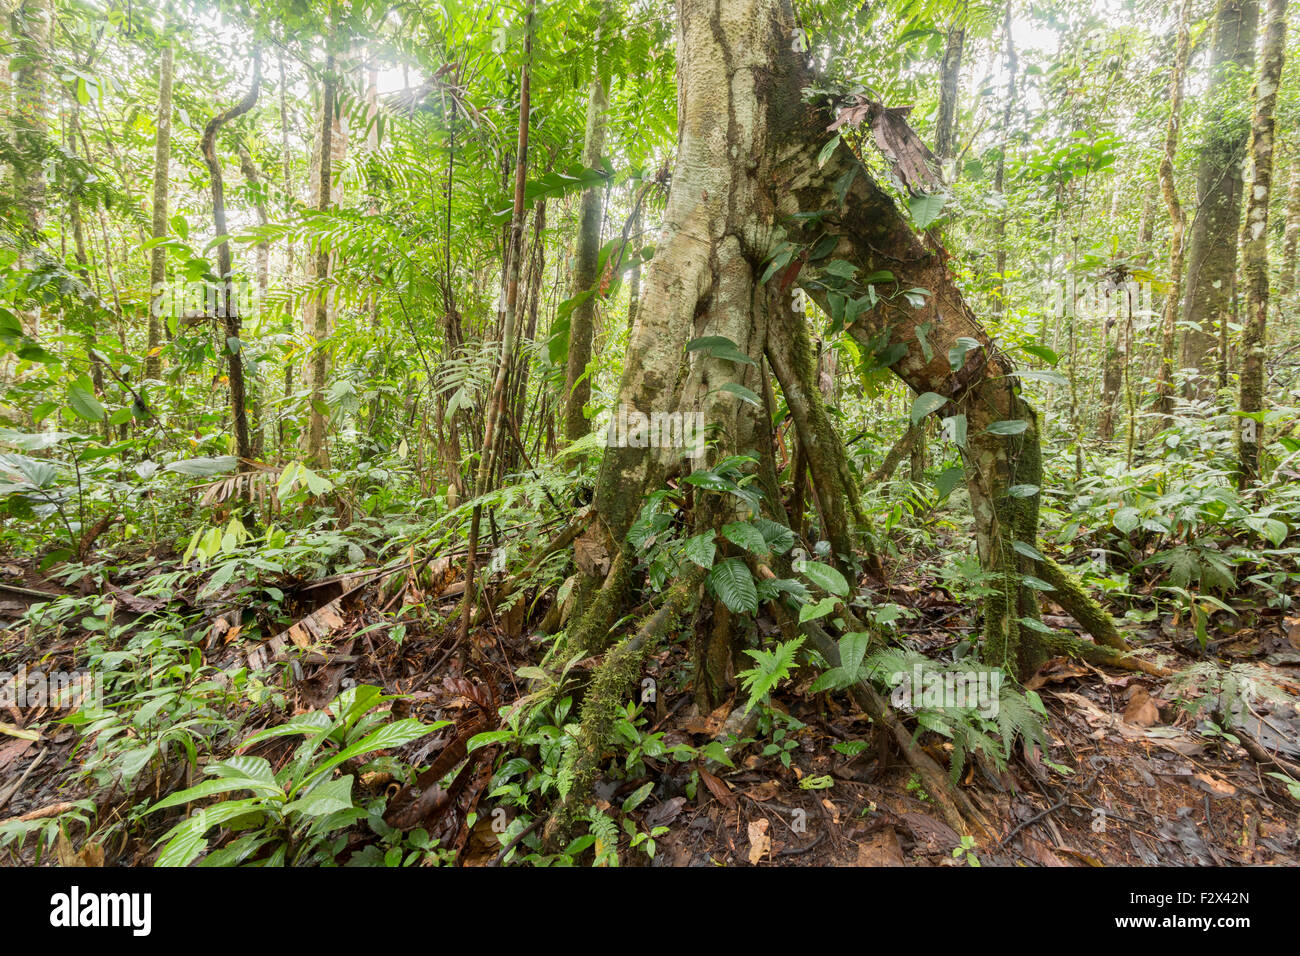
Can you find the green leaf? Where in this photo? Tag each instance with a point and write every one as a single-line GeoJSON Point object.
{"type": "Point", "coordinates": [329, 797]}
{"type": "Point", "coordinates": [957, 354]}
{"type": "Point", "coordinates": [204, 467]}
{"type": "Point", "coordinates": [638, 796]}
{"type": "Point", "coordinates": [81, 397]}
{"type": "Point", "coordinates": [719, 347]}
{"type": "Point", "coordinates": [734, 585]}
{"type": "Point", "coordinates": [1126, 520]}
{"type": "Point", "coordinates": [1043, 375]}
{"type": "Point", "coordinates": [826, 151]}
{"type": "Point", "coordinates": [744, 394]}
{"type": "Point", "coordinates": [779, 538]}
{"type": "Point", "coordinates": [816, 610]}
{"type": "Point", "coordinates": [701, 550]}
{"type": "Point", "coordinates": [1028, 550]}
{"type": "Point", "coordinates": [824, 576]}
{"type": "Point", "coordinates": [925, 209]}
{"type": "Point", "coordinates": [1013, 426]}
{"type": "Point", "coordinates": [745, 535]}
{"type": "Point", "coordinates": [925, 403]}
{"type": "Point", "coordinates": [1041, 352]}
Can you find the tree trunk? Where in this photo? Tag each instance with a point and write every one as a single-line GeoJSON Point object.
{"type": "Point", "coordinates": [229, 307]}
{"type": "Point", "coordinates": [161, 180]}
{"type": "Point", "coordinates": [31, 26]}
{"type": "Point", "coordinates": [1177, 218]}
{"type": "Point", "coordinates": [583, 318]}
{"type": "Point", "coordinates": [999, 176]}
{"type": "Point", "coordinates": [256, 186]}
{"type": "Point", "coordinates": [1212, 246]}
{"type": "Point", "coordinates": [1286, 282]}
{"type": "Point", "coordinates": [945, 136]}
{"type": "Point", "coordinates": [1254, 242]}
{"type": "Point", "coordinates": [316, 448]}
{"type": "Point", "coordinates": [748, 159]}
{"type": "Point", "coordinates": [514, 255]}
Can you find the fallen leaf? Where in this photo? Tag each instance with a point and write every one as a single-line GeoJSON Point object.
{"type": "Point", "coordinates": [19, 732]}
{"type": "Point", "coordinates": [719, 789]}
{"type": "Point", "coordinates": [880, 849]}
{"type": "Point", "coordinates": [1214, 786]}
{"type": "Point", "coordinates": [1293, 631]}
{"type": "Point", "coordinates": [759, 842]}
{"type": "Point", "coordinates": [1141, 710]}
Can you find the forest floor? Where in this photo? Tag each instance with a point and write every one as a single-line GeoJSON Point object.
{"type": "Point", "coordinates": [1130, 779]}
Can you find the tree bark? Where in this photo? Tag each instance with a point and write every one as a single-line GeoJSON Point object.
{"type": "Point", "coordinates": [316, 448]}
{"type": "Point", "coordinates": [496, 403]}
{"type": "Point", "coordinates": [229, 308]}
{"type": "Point", "coordinates": [1212, 246]}
{"type": "Point", "coordinates": [1254, 243]}
{"type": "Point", "coordinates": [582, 320]}
{"type": "Point", "coordinates": [161, 180]}
{"type": "Point", "coordinates": [1177, 218]}
{"type": "Point", "coordinates": [945, 137]}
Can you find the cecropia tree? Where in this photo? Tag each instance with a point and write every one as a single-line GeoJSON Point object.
{"type": "Point", "coordinates": [761, 206]}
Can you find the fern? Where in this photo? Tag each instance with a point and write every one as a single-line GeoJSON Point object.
{"type": "Point", "coordinates": [603, 828]}
{"type": "Point", "coordinates": [771, 668]}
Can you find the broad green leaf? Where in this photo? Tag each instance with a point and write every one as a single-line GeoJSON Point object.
{"type": "Point", "coordinates": [824, 576]}
{"type": "Point", "coordinates": [926, 403]}
{"type": "Point", "coordinates": [731, 581]}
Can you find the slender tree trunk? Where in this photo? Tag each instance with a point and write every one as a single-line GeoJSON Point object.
{"type": "Point", "coordinates": [583, 318]}
{"type": "Point", "coordinates": [999, 176]}
{"type": "Point", "coordinates": [234, 346]}
{"type": "Point", "coordinates": [316, 447]}
{"type": "Point", "coordinates": [1212, 246]}
{"type": "Point", "coordinates": [1254, 242]}
{"type": "Point", "coordinates": [497, 400]}
{"type": "Point", "coordinates": [945, 136]}
{"type": "Point", "coordinates": [1177, 217]}
{"type": "Point", "coordinates": [31, 26]}
{"type": "Point", "coordinates": [161, 180]}
{"type": "Point", "coordinates": [290, 258]}
{"type": "Point", "coordinates": [256, 186]}
{"type": "Point", "coordinates": [1286, 282]}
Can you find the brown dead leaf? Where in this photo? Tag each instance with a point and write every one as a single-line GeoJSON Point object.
{"type": "Point", "coordinates": [1141, 710]}
{"type": "Point", "coordinates": [1293, 631]}
{"type": "Point", "coordinates": [764, 791]}
{"type": "Point", "coordinates": [760, 844]}
{"type": "Point", "coordinates": [881, 849]}
{"type": "Point", "coordinates": [1214, 786]}
{"type": "Point", "coordinates": [1054, 671]}
{"type": "Point", "coordinates": [1040, 852]}
{"type": "Point", "coordinates": [13, 751]}
{"type": "Point", "coordinates": [92, 854]}
{"type": "Point", "coordinates": [719, 789]}
{"type": "Point", "coordinates": [710, 725]}
{"type": "Point", "coordinates": [590, 554]}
